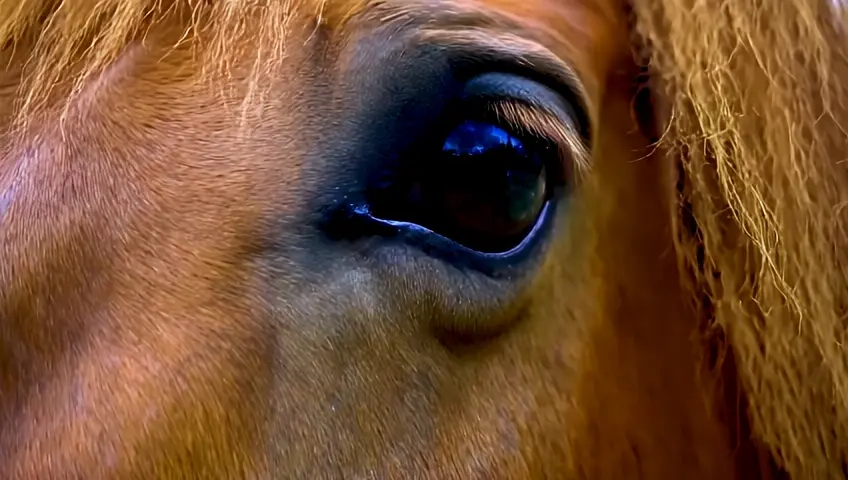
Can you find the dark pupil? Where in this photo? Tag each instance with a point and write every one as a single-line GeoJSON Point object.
{"type": "Point", "coordinates": [485, 188]}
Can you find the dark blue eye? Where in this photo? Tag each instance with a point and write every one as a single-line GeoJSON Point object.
{"type": "Point", "coordinates": [476, 138]}
{"type": "Point", "coordinates": [493, 184]}
{"type": "Point", "coordinates": [484, 187]}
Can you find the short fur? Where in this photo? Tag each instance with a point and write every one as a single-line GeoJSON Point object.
{"type": "Point", "coordinates": [751, 97]}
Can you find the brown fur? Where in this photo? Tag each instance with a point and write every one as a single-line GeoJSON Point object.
{"type": "Point", "coordinates": [146, 333]}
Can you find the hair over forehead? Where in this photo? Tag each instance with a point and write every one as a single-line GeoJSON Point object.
{"type": "Point", "coordinates": [752, 94]}
{"type": "Point", "coordinates": [69, 40]}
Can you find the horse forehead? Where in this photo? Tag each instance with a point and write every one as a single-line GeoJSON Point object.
{"type": "Point", "coordinates": [335, 12]}
{"type": "Point", "coordinates": [545, 11]}
{"type": "Point", "coordinates": [590, 35]}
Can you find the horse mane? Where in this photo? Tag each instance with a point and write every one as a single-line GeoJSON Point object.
{"type": "Point", "coordinates": [754, 106]}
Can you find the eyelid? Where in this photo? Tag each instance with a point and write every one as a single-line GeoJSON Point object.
{"type": "Point", "coordinates": [533, 108]}
{"type": "Point", "coordinates": [506, 85]}
{"type": "Point", "coordinates": [527, 57]}
{"type": "Point", "coordinates": [544, 124]}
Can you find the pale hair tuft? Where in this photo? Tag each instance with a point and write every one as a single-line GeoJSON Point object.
{"type": "Point", "coordinates": [753, 93]}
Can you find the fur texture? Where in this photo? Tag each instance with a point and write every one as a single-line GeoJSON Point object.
{"type": "Point", "coordinates": [751, 102]}
{"type": "Point", "coordinates": [754, 94]}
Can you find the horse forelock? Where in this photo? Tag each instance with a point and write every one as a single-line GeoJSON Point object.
{"type": "Point", "coordinates": [754, 94]}
{"type": "Point", "coordinates": [66, 44]}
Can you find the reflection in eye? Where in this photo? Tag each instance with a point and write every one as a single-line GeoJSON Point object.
{"type": "Point", "coordinates": [484, 177]}
{"type": "Point", "coordinates": [473, 137]}
{"type": "Point", "coordinates": [485, 188]}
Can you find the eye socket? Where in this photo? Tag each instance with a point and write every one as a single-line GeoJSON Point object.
{"type": "Point", "coordinates": [484, 177]}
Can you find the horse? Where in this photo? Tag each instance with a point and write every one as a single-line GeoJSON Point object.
{"type": "Point", "coordinates": [594, 239]}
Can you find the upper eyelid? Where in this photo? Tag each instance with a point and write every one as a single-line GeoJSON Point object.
{"type": "Point", "coordinates": [536, 109]}
{"type": "Point", "coordinates": [483, 46]}
{"type": "Point", "coordinates": [543, 123]}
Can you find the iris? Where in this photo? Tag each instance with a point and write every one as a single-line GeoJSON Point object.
{"type": "Point", "coordinates": [485, 188]}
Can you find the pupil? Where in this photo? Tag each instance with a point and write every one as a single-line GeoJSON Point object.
{"type": "Point", "coordinates": [485, 188]}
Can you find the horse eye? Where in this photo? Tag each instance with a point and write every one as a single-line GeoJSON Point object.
{"type": "Point", "coordinates": [483, 187]}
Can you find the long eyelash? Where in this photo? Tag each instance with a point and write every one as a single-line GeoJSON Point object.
{"type": "Point", "coordinates": [530, 119]}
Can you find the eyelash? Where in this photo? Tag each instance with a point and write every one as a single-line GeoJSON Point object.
{"type": "Point", "coordinates": [532, 124]}
{"type": "Point", "coordinates": [528, 122]}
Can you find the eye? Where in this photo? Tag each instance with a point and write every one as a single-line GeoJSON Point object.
{"type": "Point", "coordinates": [484, 188]}
{"type": "Point", "coordinates": [483, 176]}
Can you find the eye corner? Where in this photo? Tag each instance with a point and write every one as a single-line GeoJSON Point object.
{"type": "Point", "coordinates": [352, 222]}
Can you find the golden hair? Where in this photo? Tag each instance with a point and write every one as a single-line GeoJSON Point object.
{"type": "Point", "coordinates": [71, 40]}
{"type": "Point", "coordinates": [753, 98]}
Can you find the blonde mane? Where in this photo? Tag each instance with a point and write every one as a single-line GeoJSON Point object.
{"type": "Point", "coordinates": [755, 106]}
{"type": "Point", "coordinates": [753, 93]}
